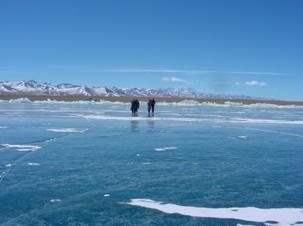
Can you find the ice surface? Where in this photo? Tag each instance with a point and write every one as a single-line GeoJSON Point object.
{"type": "Point", "coordinates": [284, 216]}
{"type": "Point", "coordinates": [208, 169]}
{"type": "Point", "coordinates": [277, 132]}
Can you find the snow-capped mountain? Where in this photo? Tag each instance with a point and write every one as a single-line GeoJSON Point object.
{"type": "Point", "coordinates": [34, 88]}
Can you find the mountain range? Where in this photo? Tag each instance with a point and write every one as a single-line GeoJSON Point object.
{"type": "Point", "coordinates": [34, 88]}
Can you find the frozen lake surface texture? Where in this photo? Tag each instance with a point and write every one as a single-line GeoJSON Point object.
{"type": "Point", "coordinates": [93, 164]}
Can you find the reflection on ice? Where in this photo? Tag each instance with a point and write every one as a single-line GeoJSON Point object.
{"type": "Point", "coordinates": [151, 124]}
{"type": "Point", "coordinates": [134, 125]}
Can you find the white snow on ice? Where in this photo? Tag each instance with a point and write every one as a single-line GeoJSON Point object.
{"type": "Point", "coordinates": [121, 118]}
{"type": "Point", "coordinates": [33, 164]}
{"type": "Point", "coordinates": [165, 149]}
{"type": "Point", "coordinates": [67, 130]}
{"type": "Point", "coordinates": [181, 103]}
{"type": "Point", "coordinates": [55, 200]}
{"type": "Point", "coordinates": [19, 147]}
{"type": "Point", "coordinates": [265, 121]}
{"type": "Point", "coordinates": [284, 216]}
{"type": "Point", "coordinates": [231, 120]}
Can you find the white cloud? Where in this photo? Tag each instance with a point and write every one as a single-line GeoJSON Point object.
{"type": "Point", "coordinates": [153, 70]}
{"type": "Point", "coordinates": [174, 79]}
{"type": "Point", "coordinates": [253, 73]}
{"type": "Point", "coordinates": [255, 83]}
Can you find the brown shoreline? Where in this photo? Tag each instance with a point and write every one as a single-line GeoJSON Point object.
{"type": "Point", "coordinates": [159, 99]}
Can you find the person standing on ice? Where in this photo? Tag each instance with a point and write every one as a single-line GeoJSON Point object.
{"type": "Point", "coordinates": [135, 104]}
{"type": "Point", "coordinates": [151, 106]}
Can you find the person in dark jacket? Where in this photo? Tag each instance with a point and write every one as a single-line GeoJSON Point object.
{"type": "Point", "coordinates": [151, 106]}
{"type": "Point", "coordinates": [135, 104]}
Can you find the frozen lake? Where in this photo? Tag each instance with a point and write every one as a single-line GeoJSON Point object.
{"type": "Point", "coordinates": [93, 164]}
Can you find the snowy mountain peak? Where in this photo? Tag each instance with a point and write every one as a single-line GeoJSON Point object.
{"type": "Point", "coordinates": [65, 89]}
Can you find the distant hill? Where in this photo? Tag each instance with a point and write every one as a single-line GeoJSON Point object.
{"type": "Point", "coordinates": [34, 88]}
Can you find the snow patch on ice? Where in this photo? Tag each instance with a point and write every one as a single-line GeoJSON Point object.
{"type": "Point", "coordinates": [19, 147]}
{"type": "Point", "coordinates": [284, 216]}
{"type": "Point", "coordinates": [121, 118]}
{"type": "Point", "coordinates": [165, 149]}
{"type": "Point", "coordinates": [264, 105]}
{"type": "Point", "coordinates": [51, 139]}
{"type": "Point", "coordinates": [265, 121]}
{"type": "Point", "coordinates": [231, 120]}
{"type": "Point", "coordinates": [245, 225]}
{"type": "Point", "coordinates": [67, 130]}
{"type": "Point", "coordinates": [180, 103]}
{"type": "Point", "coordinates": [55, 200]}
{"type": "Point", "coordinates": [33, 164]}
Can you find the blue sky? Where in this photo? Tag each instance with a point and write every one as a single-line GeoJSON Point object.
{"type": "Point", "coordinates": [251, 47]}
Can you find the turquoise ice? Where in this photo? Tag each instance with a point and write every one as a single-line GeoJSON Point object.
{"type": "Point", "coordinates": [92, 164]}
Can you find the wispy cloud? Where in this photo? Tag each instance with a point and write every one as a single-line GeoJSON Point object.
{"type": "Point", "coordinates": [255, 83]}
{"type": "Point", "coordinates": [150, 70]}
{"type": "Point", "coordinates": [153, 70]}
{"type": "Point", "coordinates": [254, 73]}
{"type": "Point", "coordinates": [174, 79]}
